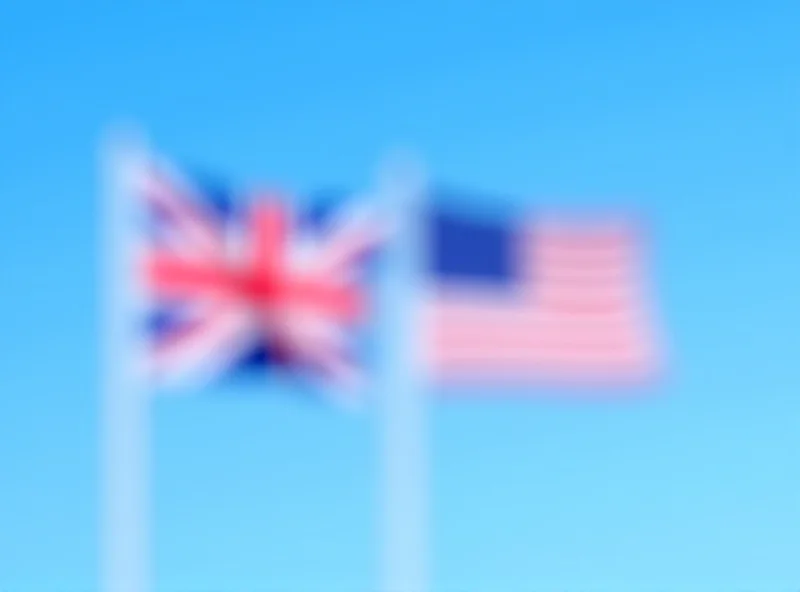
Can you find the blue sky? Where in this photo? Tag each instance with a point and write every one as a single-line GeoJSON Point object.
{"type": "Point", "coordinates": [687, 111]}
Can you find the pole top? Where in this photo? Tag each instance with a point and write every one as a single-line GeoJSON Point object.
{"type": "Point", "coordinates": [401, 179]}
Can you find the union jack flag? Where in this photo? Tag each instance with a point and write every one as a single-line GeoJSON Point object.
{"type": "Point", "coordinates": [229, 285]}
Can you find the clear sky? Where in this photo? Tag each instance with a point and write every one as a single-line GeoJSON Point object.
{"type": "Point", "coordinates": [686, 110]}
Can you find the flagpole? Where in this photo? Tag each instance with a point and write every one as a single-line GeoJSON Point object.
{"type": "Point", "coordinates": [124, 414]}
{"type": "Point", "coordinates": [403, 401]}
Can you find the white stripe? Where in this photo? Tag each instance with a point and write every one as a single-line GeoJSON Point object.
{"type": "Point", "coordinates": [191, 224]}
{"type": "Point", "coordinates": [206, 355]}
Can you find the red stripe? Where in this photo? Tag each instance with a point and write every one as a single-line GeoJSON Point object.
{"type": "Point", "coordinates": [345, 302]}
{"type": "Point", "coordinates": [173, 276]}
{"type": "Point", "coordinates": [536, 336]}
{"type": "Point", "coordinates": [270, 237]}
{"type": "Point", "coordinates": [537, 353]}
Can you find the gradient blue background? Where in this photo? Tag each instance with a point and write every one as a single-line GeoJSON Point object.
{"type": "Point", "coordinates": [689, 111]}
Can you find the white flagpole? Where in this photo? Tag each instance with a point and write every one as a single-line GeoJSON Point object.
{"type": "Point", "coordinates": [124, 417]}
{"type": "Point", "coordinates": [403, 411]}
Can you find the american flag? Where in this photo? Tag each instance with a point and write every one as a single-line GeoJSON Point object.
{"type": "Point", "coordinates": [538, 299]}
{"type": "Point", "coordinates": [231, 285]}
